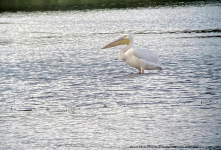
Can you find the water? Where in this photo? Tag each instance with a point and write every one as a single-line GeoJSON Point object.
{"type": "Point", "coordinates": [59, 90]}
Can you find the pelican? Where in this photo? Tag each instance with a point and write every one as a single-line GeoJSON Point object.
{"type": "Point", "coordinates": [141, 59]}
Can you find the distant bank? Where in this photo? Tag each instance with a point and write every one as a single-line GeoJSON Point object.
{"type": "Point", "coordinates": [62, 5]}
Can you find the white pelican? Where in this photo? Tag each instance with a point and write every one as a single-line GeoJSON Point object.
{"type": "Point", "coordinates": [141, 59]}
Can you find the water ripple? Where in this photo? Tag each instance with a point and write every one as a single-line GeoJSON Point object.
{"type": "Point", "coordinates": [60, 90]}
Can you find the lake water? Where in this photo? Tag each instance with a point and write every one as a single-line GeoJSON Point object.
{"type": "Point", "coordinates": [59, 90]}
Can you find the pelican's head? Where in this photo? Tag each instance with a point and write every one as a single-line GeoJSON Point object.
{"type": "Point", "coordinates": [124, 39]}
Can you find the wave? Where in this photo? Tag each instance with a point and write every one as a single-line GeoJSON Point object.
{"type": "Point", "coordinates": [159, 31]}
{"type": "Point", "coordinates": [212, 36]}
{"type": "Point", "coordinates": [179, 31]}
{"type": "Point", "coordinates": [85, 34]}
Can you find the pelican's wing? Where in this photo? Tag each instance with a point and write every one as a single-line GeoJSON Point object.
{"type": "Point", "coordinates": [146, 55]}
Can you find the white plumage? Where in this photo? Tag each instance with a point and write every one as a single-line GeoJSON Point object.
{"type": "Point", "coordinates": [141, 59]}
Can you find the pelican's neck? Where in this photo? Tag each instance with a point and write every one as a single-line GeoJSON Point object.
{"type": "Point", "coordinates": [123, 50]}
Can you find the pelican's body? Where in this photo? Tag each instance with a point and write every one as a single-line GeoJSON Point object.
{"type": "Point", "coordinates": [141, 59]}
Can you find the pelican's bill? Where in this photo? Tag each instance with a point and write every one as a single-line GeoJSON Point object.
{"type": "Point", "coordinates": [120, 41]}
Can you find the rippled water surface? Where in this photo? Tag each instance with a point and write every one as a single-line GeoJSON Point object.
{"type": "Point", "coordinates": [59, 90]}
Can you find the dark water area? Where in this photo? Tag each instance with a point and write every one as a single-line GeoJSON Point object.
{"type": "Point", "coordinates": [60, 90]}
{"type": "Point", "coordinates": [61, 5]}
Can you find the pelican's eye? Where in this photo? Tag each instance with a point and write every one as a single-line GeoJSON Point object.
{"type": "Point", "coordinates": [124, 36]}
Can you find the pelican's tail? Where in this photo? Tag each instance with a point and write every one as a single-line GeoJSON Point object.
{"type": "Point", "coordinates": [160, 66]}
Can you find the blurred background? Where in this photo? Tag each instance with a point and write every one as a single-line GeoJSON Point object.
{"type": "Point", "coordinates": [44, 5]}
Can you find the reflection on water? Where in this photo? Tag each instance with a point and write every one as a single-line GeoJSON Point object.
{"type": "Point", "coordinates": [59, 90]}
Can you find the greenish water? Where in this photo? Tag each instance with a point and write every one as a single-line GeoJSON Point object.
{"type": "Point", "coordinates": [43, 5]}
